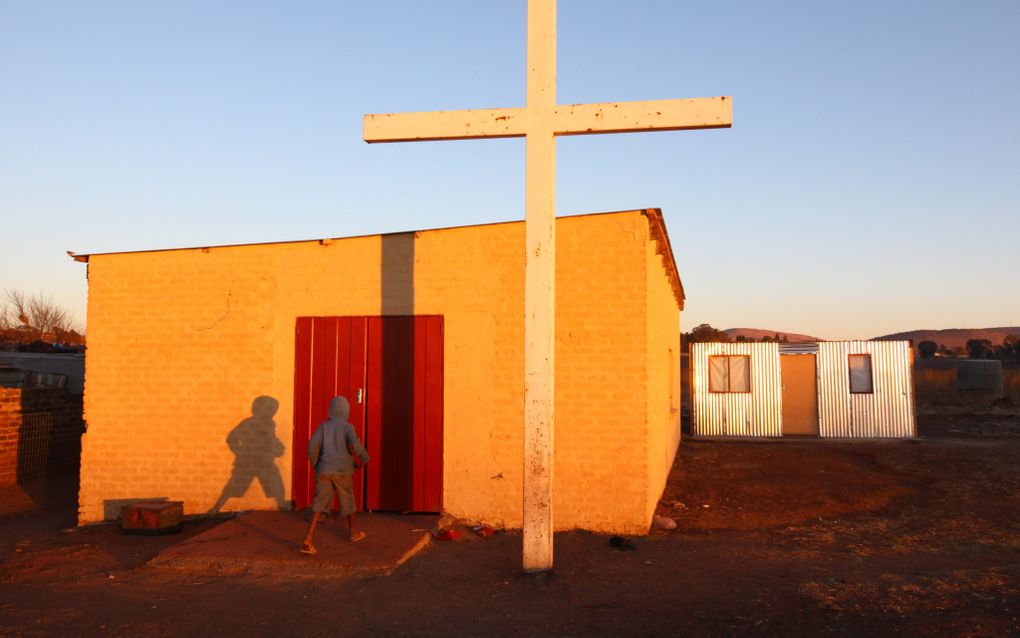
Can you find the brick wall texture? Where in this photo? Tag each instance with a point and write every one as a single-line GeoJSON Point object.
{"type": "Point", "coordinates": [220, 322]}
{"type": "Point", "coordinates": [40, 438]}
{"type": "Point", "coordinates": [662, 374]}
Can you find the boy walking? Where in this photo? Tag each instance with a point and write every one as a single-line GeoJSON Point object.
{"type": "Point", "coordinates": [332, 451]}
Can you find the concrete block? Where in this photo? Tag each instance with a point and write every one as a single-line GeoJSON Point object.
{"type": "Point", "coordinates": [152, 517]}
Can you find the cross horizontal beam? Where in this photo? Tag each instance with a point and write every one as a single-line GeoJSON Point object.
{"type": "Point", "coordinates": [444, 125]}
{"type": "Point", "coordinates": [568, 119]}
{"type": "Point", "coordinates": [652, 115]}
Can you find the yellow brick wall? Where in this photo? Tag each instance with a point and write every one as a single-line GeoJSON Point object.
{"type": "Point", "coordinates": [181, 342]}
{"type": "Point", "coordinates": [663, 376]}
{"type": "Point", "coordinates": [600, 383]}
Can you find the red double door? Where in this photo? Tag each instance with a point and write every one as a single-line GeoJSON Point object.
{"type": "Point", "coordinates": [391, 371]}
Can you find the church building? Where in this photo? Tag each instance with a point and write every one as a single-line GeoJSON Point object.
{"type": "Point", "coordinates": [208, 369]}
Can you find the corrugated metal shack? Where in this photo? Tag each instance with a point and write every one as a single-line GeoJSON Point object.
{"type": "Point", "coordinates": [838, 389]}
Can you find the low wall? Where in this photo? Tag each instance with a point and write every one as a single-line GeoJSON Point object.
{"type": "Point", "coordinates": [965, 382]}
{"type": "Point", "coordinates": [40, 446]}
{"type": "Point", "coordinates": [1011, 382]}
{"type": "Point", "coordinates": [933, 386]}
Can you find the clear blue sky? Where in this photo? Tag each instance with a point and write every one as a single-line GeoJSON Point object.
{"type": "Point", "coordinates": [870, 183]}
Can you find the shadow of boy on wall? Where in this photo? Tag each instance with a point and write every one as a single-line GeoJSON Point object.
{"type": "Point", "coordinates": [255, 449]}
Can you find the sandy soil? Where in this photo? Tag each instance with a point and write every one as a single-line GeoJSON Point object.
{"type": "Point", "coordinates": [961, 421]}
{"type": "Point", "coordinates": [801, 538]}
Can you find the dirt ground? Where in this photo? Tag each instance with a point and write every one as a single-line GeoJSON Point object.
{"type": "Point", "coordinates": [789, 538]}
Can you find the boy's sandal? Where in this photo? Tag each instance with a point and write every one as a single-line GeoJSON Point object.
{"type": "Point", "coordinates": [308, 549]}
{"type": "Point", "coordinates": [357, 537]}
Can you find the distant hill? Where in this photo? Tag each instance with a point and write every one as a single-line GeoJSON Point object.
{"type": "Point", "coordinates": [950, 337]}
{"type": "Point", "coordinates": [756, 334]}
{"type": "Point", "coordinates": [953, 337]}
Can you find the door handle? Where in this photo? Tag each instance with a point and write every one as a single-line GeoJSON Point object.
{"type": "Point", "coordinates": [359, 395]}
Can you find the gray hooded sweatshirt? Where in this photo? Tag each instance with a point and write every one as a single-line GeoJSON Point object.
{"type": "Point", "coordinates": [330, 448]}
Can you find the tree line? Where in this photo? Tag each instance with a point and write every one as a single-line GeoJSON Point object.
{"type": "Point", "coordinates": [705, 333]}
{"type": "Point", "coordinates": [1008, 351]}
{"type": "Point", "coordinates": [35, 322]}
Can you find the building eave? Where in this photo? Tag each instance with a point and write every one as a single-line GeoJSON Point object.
{"type": "Point", "coordinates": [665, 250]}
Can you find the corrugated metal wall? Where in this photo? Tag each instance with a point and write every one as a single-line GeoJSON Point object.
{"type": "Point", "coordinates": [758, 413]}
{"type": "Point", "coordinates": [887, 412]}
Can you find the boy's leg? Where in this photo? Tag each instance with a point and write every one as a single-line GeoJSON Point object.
{"type": "Point", "coordinates": [321, 502]}
{"type": "Point", "coordinates": [356, 535]}
{"type": "Point", "coordinates": [307, 544]}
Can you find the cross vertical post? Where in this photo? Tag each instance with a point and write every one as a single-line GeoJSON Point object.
{"type": "Point", "coordinates": [539, 287]}
{"type": "Point", "coordinates": [540, 122]}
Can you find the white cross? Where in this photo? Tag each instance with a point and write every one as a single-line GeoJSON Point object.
{"type": "Point", "coordinates": [540, 122]}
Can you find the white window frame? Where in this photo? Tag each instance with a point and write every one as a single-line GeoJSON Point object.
{"type": "Point", "coordinates": [727, 378]}
{"type": "Point", "coordinates": [854, 385]}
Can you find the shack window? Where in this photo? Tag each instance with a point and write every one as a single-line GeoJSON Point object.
{"type": "Point", "coordinates": [860, 374]}
{"type": "Point", "coordinates": [729, 373]}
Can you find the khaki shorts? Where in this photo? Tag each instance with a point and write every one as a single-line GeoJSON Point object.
{"type": "Point", "coordinates": [328, 484]}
